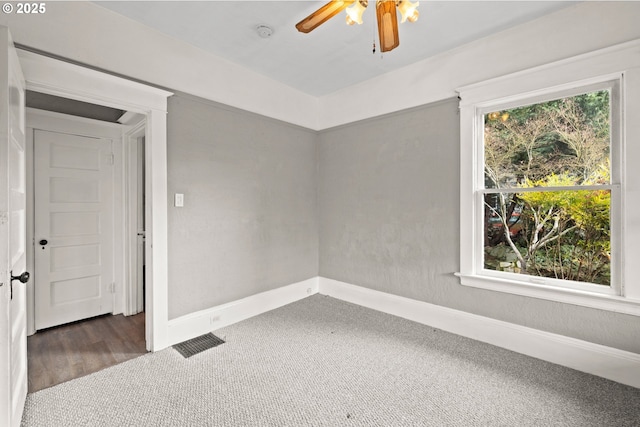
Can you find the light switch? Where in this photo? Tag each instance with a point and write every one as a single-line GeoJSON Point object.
{"type": "Point", "coordinates": [178, 201]}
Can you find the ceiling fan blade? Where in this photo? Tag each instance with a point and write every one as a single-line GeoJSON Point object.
{"type": "Point", "coordinates": [322, 15]}
{"type": "Point", "coordinates": [387, 25]}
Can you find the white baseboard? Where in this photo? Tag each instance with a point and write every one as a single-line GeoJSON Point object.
{"type": "Point", "coordinates": [204, 321]}
{"type": "Point", "coordinates": [617, 365]}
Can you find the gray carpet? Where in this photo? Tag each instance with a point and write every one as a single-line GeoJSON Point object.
{"type": "Point", "coordinates": [324, 362]}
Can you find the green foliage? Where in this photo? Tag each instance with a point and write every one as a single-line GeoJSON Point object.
{"type": "Point", "coordinates": [560, 200]}
{"type": "Point", "coordinates": [562, 144]}
{"type": "Point", "coordinates": [584, 253]}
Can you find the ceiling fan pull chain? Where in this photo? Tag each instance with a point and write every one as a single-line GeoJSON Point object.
{"type": "Point", "coordinates": [373, 32]}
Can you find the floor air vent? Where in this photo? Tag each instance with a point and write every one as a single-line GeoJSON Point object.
{"type": "Point", "coordinates": [198, 344]}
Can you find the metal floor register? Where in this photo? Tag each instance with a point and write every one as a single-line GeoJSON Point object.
{"type": "Point", "coordinates": [198, 344]}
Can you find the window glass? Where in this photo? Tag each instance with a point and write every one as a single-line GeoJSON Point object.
{"type": "Point", "coordinates": [547, 192]}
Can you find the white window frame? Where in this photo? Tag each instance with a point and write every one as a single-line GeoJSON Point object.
{"type": "Point", "coordinates": [619, 64]}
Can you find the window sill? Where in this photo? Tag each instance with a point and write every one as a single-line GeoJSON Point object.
{"type": "Point", "coordinates": [612, 303]}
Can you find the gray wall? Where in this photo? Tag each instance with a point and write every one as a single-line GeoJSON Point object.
{"type": "Point", "coordinates": [389, 221]}
{"type": "Point", "coordinates": [249, 223]}
{"type": "Point", "coordinates": [387, 193]}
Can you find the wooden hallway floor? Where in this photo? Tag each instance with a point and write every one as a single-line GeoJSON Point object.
{"type": "Point", "coordinates": [70, 351]}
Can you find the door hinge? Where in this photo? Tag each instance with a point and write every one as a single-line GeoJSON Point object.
{"type": "Point", "coordinates": [112, 288]}
{"type": "Point", "coordinates": [110, 159]}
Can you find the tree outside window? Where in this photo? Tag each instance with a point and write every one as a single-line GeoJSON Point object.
{"type": "Point", "coordinates": [547, 196]}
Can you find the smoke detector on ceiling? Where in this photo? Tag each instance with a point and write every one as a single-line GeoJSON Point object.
{"type": "Point", "coordinates": [264, 31]}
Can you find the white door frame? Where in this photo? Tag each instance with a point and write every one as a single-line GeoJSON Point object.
{"type": "Point", "coordinates": [62, 123]}
{"type": "Point", "coordinates": [132, 294]}
{"type": "Point", "coordinates": [55, 77]}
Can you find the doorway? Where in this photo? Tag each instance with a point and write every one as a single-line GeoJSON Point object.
{"type": "Point", "coordinates": [39, 73]}
{"type": "Point", "coordinates": [87, 213]}
{"type": "Point", "coordinates": [55, 77]}
{"type": "Point", "coordinates": [78, 168]}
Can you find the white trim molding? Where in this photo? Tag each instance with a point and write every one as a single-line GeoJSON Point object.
{"type": "Point", "coordinates": [132, 301]}
{"type": "Point", "coordinates": [581, 70]}
{"type": "Point", "coordinates": [531, 289]}
{"type": "Point", "coordinates": [614, 364]}
{"type": "Point", "coordinates": [80, 83]}
{"type": "Point", "coordinates": [204, 321]}
{"type": "Point", "coordinates": [618, 65]}
{"type": "Point", "coordinates": [55, 77]}
{"type": "Point", "coordinates": [595, 359]}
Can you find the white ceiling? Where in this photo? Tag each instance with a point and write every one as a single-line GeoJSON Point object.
{"type": "Point", "coordinates": [334, 55]}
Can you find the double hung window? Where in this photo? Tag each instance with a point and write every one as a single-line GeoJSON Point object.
{"type": "Point", "coordinates": [546, 179]}
{"type": "Point", "coordinates": [545, 198]}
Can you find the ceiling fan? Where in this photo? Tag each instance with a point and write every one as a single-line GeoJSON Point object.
{"type": "Point", "coordinates": [385, 11]}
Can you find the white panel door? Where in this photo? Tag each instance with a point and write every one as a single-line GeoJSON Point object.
{"type": "Point", "coordinates": [73, 178]}
{"type": "Point", "coordinates": [13, 318]}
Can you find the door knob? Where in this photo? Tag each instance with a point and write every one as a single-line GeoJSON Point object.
{"type": "Point", "coordinates": [23, 278]}
{"type": "Point", "coordinates": [43, 242]}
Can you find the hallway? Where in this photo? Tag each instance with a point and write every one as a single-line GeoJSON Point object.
{"type": "Point", "coordinates": [70, 351]}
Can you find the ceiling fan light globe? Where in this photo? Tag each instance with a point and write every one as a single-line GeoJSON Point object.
{"type": "Point", "coordinates": [354, 13]}
{"type": "Point", "coordinates": [408, 10]}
